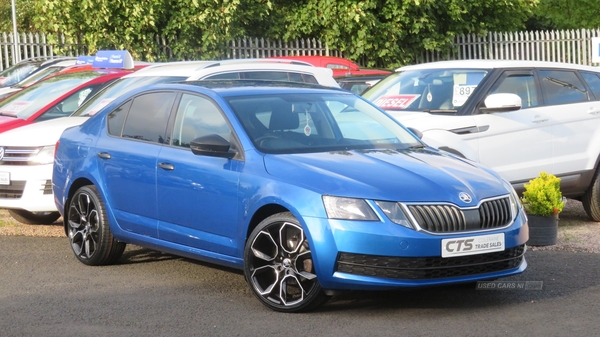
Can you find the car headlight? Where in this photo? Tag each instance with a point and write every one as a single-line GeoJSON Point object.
{"type": "Point", "coordinates": [45, 156]}
{"type": "Point", "coordinates": [515, 203]}
{"type": "Point", "coordinates": [394, 212]}
{"type": "Point", "coordinates": [348, 209]}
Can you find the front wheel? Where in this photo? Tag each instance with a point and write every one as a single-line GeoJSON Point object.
{"type": "Point", "coordinates": [88, 229]}
{"type": "Point", "coordinates": [34, 218]}
{"type": "Point", "coordinates": [591, 199]}
{"type": "Point", "coordinates": [278, 266]}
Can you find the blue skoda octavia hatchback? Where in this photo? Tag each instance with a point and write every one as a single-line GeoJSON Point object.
{"type": "Point", "coordinates": [309, 190]}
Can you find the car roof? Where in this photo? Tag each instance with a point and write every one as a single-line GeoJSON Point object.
{"type": "Point", "coordinates": [492, 64]}
{"type": "Point", "coordinates": [324, 76]}
{"type": "Point", "coordinates": [247, 87]}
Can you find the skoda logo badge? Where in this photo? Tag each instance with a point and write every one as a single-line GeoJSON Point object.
{"type": "Point", "coordinates": [1, 152]}
{"type": "Point", "coordinates": [464, 197]}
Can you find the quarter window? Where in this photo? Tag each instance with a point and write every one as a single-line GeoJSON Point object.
{"type": "Point", "coordinates": [562, 87]}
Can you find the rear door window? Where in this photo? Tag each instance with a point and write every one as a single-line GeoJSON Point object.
{"type": "Point", "coordinates": [562, 87]}
{"type": "Point", "coordinates": [147, 118]}
{"type": "Point", "coordinates": [593, 81]}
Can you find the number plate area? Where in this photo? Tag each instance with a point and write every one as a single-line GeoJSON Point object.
{"type": "Point", "coordinates": [4, 178]}
{"type": "Point", "coordinates": [473, 245]}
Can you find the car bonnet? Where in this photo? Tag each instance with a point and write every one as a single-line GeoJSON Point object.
{"type": "Point", "coordinates": [413, 175]}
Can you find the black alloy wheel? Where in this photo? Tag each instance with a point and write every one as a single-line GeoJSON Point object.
{"type": "Point", "coordinates": [89, 232]}
{"type": "Point", "coordinates": [279, 268]}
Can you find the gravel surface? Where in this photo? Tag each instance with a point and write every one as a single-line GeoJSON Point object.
{"type": "Point", "coordinates": [576, 232]}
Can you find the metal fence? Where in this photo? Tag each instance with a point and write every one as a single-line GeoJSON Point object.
{"type": "Point", "coordinates": [33, 45]}
{"type": "Point", "coordinates": [571, 46]}
{"type": "Point", "coordinates": [260, 48]}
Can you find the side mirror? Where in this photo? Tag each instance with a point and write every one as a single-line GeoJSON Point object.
{"type": "Point", "coordinates": [211, 145]}
{"type": "Point", "coordinates": [501, 103]}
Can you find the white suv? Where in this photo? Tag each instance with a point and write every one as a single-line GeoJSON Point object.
{"type": "Point", "coordinates": [517, 117]}
{"type": "Point", "coordinates": [26, 153]}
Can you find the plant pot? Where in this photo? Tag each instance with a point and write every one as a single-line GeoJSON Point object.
{"type": "Point", "coordinates": [543, 230]}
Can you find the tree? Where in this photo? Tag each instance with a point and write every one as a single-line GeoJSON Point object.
{"type": "Point", "coordinates": [565, 14]}
{"type": "Point", "coordinates": [24, 12]}
{"type": "Point", "coordinates": [385, 32]}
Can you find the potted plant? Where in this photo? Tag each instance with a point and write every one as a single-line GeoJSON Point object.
{"type": "Point", "coordinates": [543, 202]}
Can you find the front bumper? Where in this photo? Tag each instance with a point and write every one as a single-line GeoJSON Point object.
{"type": "Point", "coordinates": [30, 188]}
{"type": "Point", "coordinates": [383, 255]}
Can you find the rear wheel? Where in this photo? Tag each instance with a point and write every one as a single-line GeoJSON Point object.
{"type": "Point", "coordinates": [278, 266]}
{"type": "Point", "coordinates": [34, 218]}
{"type": "Point", "coordinates": [89, 233]}
{"type": "Point", "coordinates": [591, 199]}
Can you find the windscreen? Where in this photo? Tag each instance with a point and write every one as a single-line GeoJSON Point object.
{"type": "Point", "coordinates": [30, 100]}
{"type": "Point", "coordinates": [301, 123]}
{"type": "Point", "coordinates": [427, 90]}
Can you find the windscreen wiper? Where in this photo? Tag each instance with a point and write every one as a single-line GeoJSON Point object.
{"type": "Point", "coordinates": [440, 110]}
{"type": "Point", "coordinates": [7, 115]}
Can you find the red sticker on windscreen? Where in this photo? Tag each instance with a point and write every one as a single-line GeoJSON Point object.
{"type": "Point", "coordinates": [395, 102]}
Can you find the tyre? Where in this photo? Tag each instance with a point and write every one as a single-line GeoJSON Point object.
{"type": "Point", "coordinates": [591, 199]}
{"type": "Point", "coordinates": [34, 218]}
{"type": "Point", "coordinates": [278, 266]}
{"type": "Point", "coordinates": [89, 233]}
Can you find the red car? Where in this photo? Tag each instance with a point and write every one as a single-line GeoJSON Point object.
{"type": "Point", "coordinates": [341, 67]}
{"type": "Point", "coordinates": [54, 97]}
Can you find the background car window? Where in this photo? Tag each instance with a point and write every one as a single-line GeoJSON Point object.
{"type": "Point", "coordinates": [147, 119]}
{"type": "Point", "coordinates": [116, 119]}
{"type": "Point", "coordinates": [197, 117]}
{"type": "Point", "coordinates": [266, 75]}
{"type": "Point", "coordinates": [228, 76]}
{"type": "Point", "coordinates": [593, 81]}
{"type": "Point", "coordinates": [562, 87]}
{"type": "Point", "coordinates": [295, 77]}
{"type": "Point", "coordinates": [119, 87]}
{"type": "Point", "coordinates": [523, 85]}
{"type": "Point", "coordinates": [67, 106]}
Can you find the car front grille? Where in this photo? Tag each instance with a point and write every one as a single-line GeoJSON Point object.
{"type": "Point", "coordinates": [424, 268]}
{"type": "Point", "coordinates": [12, 191]}
{"type": "Point", "coordinates": [449, 218]}
{"type": "Point", "coordinates": [19, 155]}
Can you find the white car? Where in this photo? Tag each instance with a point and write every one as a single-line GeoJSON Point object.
{"type": "Point", "coordinates": [26, 153]}
{"type": "Point", "coordinates": [517, 117]}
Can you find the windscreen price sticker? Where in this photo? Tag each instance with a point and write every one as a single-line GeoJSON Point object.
{"type": "Point", "coordinates": [15, 107]}
{"type": "Point", "coordinates": [462, 93]}
{"type": "Point", "coordinates": [472, 245]}
{"type": "Point", "coordinates": [4, 178]}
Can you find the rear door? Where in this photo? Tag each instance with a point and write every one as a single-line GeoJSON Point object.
{"type": "Point", "coordinates": [127, 156]}
{"type": "Point", "coordinates": [575, 111]}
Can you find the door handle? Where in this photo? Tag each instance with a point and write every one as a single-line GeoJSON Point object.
{"type": "Point", "coordinates": [593, 112]}
{"type": "Point", "coordinates": [539, 119]}
{"type": "Point", "coordinates": [166, 166]}
{"type": "Point", "coordinates": [104, 155]}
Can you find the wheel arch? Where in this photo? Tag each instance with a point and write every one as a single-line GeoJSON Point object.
{"type": "Point", "coordinates": [262, 213]}
{"type": "Point", "coordinates": [77, 184]}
